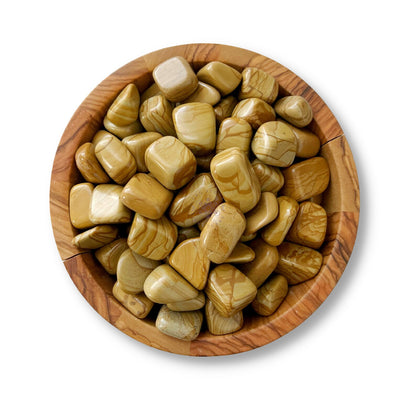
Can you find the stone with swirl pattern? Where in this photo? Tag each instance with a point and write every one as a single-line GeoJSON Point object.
{"type": "Point", "coordinates": [109, 254]}
{"type": "Point", "coordinates": [204, 94]}
{"type": "Point", "coordinates": [257, 83]}
{"type": "Point", "coordinates": [156, 115]}
{"type": "Point", "coordinates": [87, 163]}
{"type": "Point", "coordinates": [220, 325]}
{"type": "Point", "coordinates": [221, 76]}
{"type": "Point", "coordinates": [255, 111]}
{"type": "Point", "coordinates": [188, 305]}
{"type": "Point", "coordinates": [270, 177]}
{"type": "Point", "coordinates": [137, 303]}
{"type": "Point", "coordinates": [294, 109]}
{"type": "Point", "coordinates": [234, 132]}
{"type": "Point", "coordinates": [270, 295]}
{"type": "Point", "coordinates": [125, 108]}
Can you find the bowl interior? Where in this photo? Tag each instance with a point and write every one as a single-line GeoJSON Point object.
{"type": "Point", "coordinates": [341, 201]}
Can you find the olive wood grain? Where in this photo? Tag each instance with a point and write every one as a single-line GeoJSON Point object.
{"type": "Point", "coordinates": [341, 200]}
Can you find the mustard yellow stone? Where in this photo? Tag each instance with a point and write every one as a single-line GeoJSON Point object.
{"type": "Point", "coordinates": [235, 178]}
{"type": "Point", "coordinates": [221, 76]}
{"type": "Point", "coordinates": [294, 109]}
{"type": "Point", "coordinates": [195, 127]}
{"type": "Point", "coordinates": [170, 162]}
{"type": "Point", "coordinates": [132, 270]}
{"type": "Point", "coordinates": [234, 132]}
{"type": "Point", "coordinates": [262, 214]}
{"type": "Point", "coordinates": [87, 163]}
{"type": "Point", "coordinates": [79, 205]}
{"type": "Point", "coordinates": [109, 254]}
{"type": "Point", "coordinates": [308, 143]}
{"type": "Point", "coordinates": [175, 78]}
{"type": "Point", "coordinates": [165, 285]}
{"type": "Point", "coordinates": [122, 131]}
{"type": "Point", "coordinates": [204, 94]}
{"type": "Point", "coordinates": [229, 290]}
{"type": "Point", "coordinates": [270, 177]}
{"type": "Point", "coordinates": [125, 108]}
{"type": "Point", "coordinates": [182, 325]}
{"type": "Point", "coordinates": [255, 111]}
{"type": "Point", "coordinates": [151, 91]}
{"type": "Point", "coordinates": [222, 232]}
{"type": "Point", "coordinates": [156, 115]}
{"type": "Point", "coordinates": [275, 232]}
{"type": "Point", "coordinates": [258, 84]}
{"type": "Point", "coordinates": [225, 108]}
{"type": "Point", "coordinates": [188, 305]}
{"type": "Point", "coordinates": [274, 144]}
{"type": "Point", "coordinates": [241, 254]}
{"type": "Point", "coordinates": [153, 239]}
{"type": "Point", "coordinates": [95, 237]}
{"type": "Point", "coordinates": [270, 295]}
{"type": "Point", "coordinates": [138, 304]}
{"type": "Point", "coordinates": [191, 262]}
{"type": "Point", "coordinates": [146, 196]}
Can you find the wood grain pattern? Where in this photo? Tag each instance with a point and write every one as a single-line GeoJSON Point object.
{"type": "Point", "coordinates": [341, 200]}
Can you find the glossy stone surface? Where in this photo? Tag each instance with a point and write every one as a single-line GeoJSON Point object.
{"type": "Point", "coordinates": [175, 78]}
{"type": "Point", "coordinates": [229, 290]}
{"type": "Point", "coordinates": [308, 143]}
{"type": "Point", "coordinates": [87, 163]}
{"type": "Point", "coordinates": [109, 254]}
{"type": "Point", "coordinates": [188, 305]}
{"type": "Point", "coordinates": [298, 263]}
{"type": "Point", "coordinates": [132, 270]}
{"type": "Point", "coordinates": [225, 108]}
{"type": "Point", "coordinates": [221, 233]}
{"type": "Point", "coordinates": [306, 179]}
{"type": "Point", "coordinates": [254, 111]}
{"type": "Point", "coordinates": [156, 115]}
{"type": "Point", "coordinates": [137, 145]}
{"type": "Point", "coordinates": [195, 201]}
{"type": "Point", "coordinates": [151, 91]}
{"type": "Point", "coordinates": [115, 158]}
{"type": "Point", "coordinates": [235, 178]}
{"type": "Point", "coordinates": [181, 325]}
{"type": "Point", "coordinates": [294, 109]}
{"type": "Point", "coordinates": [195, 127]}
{"type": "Point", "coordinates": [258, 84]}
{"type": "Point", "coordinates": [106, 206]}
{"type": "Point", "coordinates": [275, 232]}
{"type": "Point", "coordinates": [270, 295]}
{"type": "Point", "coordinates": [271, 178]}
{"type": "Point", "coordinates": [153, 239]}
{"type": "Point", "coordinates": [96, 237]}
{"type": "Point", "coordinates": [138, 304]}
{"type": "Point", "coordinates": [165, 285]}
{"type": "Point", "coordinates": [125, 108]}
{"type": "Point", "coordinates": [220, 325]}
{"type": "Point", "coordinates": [204, 94]}
{"type": "Point", "coordinates": [146, 196]}
{"type": "Point", "coordinates": [262, 214]}
{"type": "Point", "coordinates": [309, 227]}
{"type": "Point", "coordinates": [170, 162]}
{"type": "Point", "coordinates": [79, 205]}
{"type": "Point", "coordinates": [122, 131]}
{"type": "Point", "coordinates": [221, 76]}
{"type": "Point", "coordinates": [191, 262]}
{"type": "Point", "coordinates": [274, 144]}
{"type": "Point", "coordinates": [187, 232]}
{"type": "Point", "coordinates": [264, 263]}
{"type": "Point", "coordinates": [241, 254]}
{"type": "Point", "coordinates": [234, 132]}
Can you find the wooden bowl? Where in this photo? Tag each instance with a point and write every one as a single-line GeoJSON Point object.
{"type": "Point", "coordinates": [341, 201]}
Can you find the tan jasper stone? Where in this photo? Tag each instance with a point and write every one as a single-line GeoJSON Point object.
{"type": "Point", "coordinates": [294, 109]}
{"type": "Point", "coordinates": [270, 178]}
{"type": "Point", "coordinates": [298, 263]}
{"type": "Point", "coordinates": [270, 295]}
{"type": "Point", "coordinates": [254, 111]}
{"type": "Point", "coordinates": [156, 115]}
{"type": "Point", "coordinates": [122, 131]}
{"type": "Point", "coordinates": [229, 290]}
{"type": "Point", "coordinates": [195, 127]}
{"type": "Point", "coordinates": [79, 205]}
{"type": "Point", "coordinates": [221, 76]}
{"type": "Point", "coordinates": [220, 325]}
{"type": "Point", "coordinates": [276, 231]}
{"type": "Point", "coordinates": [235, 178]}
{"type": "Point", "coordinates": [132, 270]}
{"type": "Point", "coordinates": [138, 304]}
{"type": "Point", "coordinates": [234, 132]}
{"type": "Point", "coordinates": [87, 163]}
{"type": "Point", "coordinates": [258, 84]}
{"type": "Point", "coordinates": [146, 196]}
{"type": "Point", "coordinates": [153, 239]}
{"type": "Point", "coordinates": [165, 285]}
{"type": "Point", "coordinates": [96, 237]}
{"type": "Point", "coordinates": [274, 144]}
{"type": "Point", "coordinates": [109, 254]}
{"type": "Point", "coordinates": [191, 262]}
{"type": "Point", "coordinates": [204, 94]}
{"type": "Point", "coordinates": [175, 78]}
{"type": "Point", "coordinates": [170, 162]}
{"type": "Point", "coordinates": [196, 201]}
{"type": "Point", "coordinates": [188, 305]}
{"type": "Point", "coordinates": [308, 143]}
{"type": "Point", "coordinates": [262, 214]}
{"type": "Point", "coordinates": [309, 227]}
{"type": "Point", "coordinates": [221, 233]}
{"type": "Point", "coordinates": [181, 325]}
{"type": "Point", "coordinates": [125, 108]}
{"type": "Point", "coordinates": [225, 108]}
{"type": "Point", "coordinates": [306, 179]}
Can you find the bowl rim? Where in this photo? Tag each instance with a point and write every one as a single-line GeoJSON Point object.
{"type": "Point", "coordinates": [342, 202]}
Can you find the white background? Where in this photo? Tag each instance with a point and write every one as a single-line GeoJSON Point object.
{"type": "Point", "coordinates": [355, 355]}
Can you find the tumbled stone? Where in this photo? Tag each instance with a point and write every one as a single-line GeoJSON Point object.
{"type": "Point", "coordinates": [258, 84]}
{"type": "Point", "coordinates": [125, 108]}
{"type": "Point", "coordinates": [241, 254]}
{"type": "Point", "coordinates": [225, 108]}
{"type": "Point", "coordinates": [308, 143]}
{"type": "Point", "coordinates": [270, 295]}
{"type": "Point", "coordinates": [122, 131]}
{"type": "Point", "coordinates": [204, 94]}
{"type": "Point", "coordinates": [156, 115]}
{"type": "Point", "coordinates": [271, 178]}
{"type": "Point", "coordinates": [294, 109]}
{"type": "Point", "coordinates": [254, 111]}
{"type": "Point", "coordinates": [234, 132]}
{"type": "Point", "coordinates": [188, 305]}
{"type": "Point", "coordinates": [79, 205]}
{"type": "Point", "coordinates": [109, 254]}
{"type": "Point", "coordinates": [187, 232]}
{"type": "Point", "coordinates": [221, 76]}
{"type": "Point", "coordinates": [87, 163]}
{"type": "Point", "coordinates": [138, 304]}
{"type": "Point", "coordinates": [220, 325]}
{"type": "Point", "coordinates": [262, 214]}
{"type": "Point", "coordinates": [95, 237]}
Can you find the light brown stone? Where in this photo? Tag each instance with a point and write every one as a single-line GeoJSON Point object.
{"type": "Point", "coordinates": [156, 115]}
{"type": "Point", "coordinates": [87, 163]}
{"type": "Point", "coordinates": [220, 325]}
{"type": "Point", "coordinates": [271, 178]}
{"type": "Point", "coordinates": [188, 305]}
{"type": "Point", "coordinates": [138, 304]}
{"type": "Point", "coordinates": [234, 132]}
{"type": "Point", "coordinates": [270, 295]}
{"type": "Point", "coordinates": [262, 214]}
{"type": "Point", "coordinates": [79, 205]}
{"type": "Point", "coordinates": [96, 237]}
{"type": "Point", "coordinates": [109, 254]}
{"type": "Point", "coordinates": [254, 111]}
{"type": "Point", "coordinates": [221, 76]}
{"type": "Point", "coordinates": [294, 109]}
{"type": "Point", "coordinates": [125, 108]}
{"type": "Point", "coordinates": [204, 94]}
{"type": "Point", "coordinates": [258, 84]}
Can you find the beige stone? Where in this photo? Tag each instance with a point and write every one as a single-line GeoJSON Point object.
{"type": "Point", "coordinates": [241, 254]}
{"type": "Point", "coordinates": [254, 111]}
{"type": "Point", "coordinates": [109, 254]}
{"type": "Point", "coordinates": [262, 214]}
{"type": "Point", "coordinates": [270, 295]}
{"type": "Point", "coordinates": [221, 76]}
{"type": "Point", "coordinates": [234, 132]}
{"type": "Point", "coordinates": [125, 108]}
{"type": "Point", "coordinates": [79, 205]}
{"type": "Point", "coordinates": [188, 305]}
{"type": "Point", "coordinates": [87, 163]}
{"type": "Point", "coordinates": [204, 94]}
{"type": "Point", "coordinates": [122, 131]}
{"type": "Point", "coordinates": [294, 109]}
{"type": "Point", "coordinates": [258, 84]}
{"type": "Point", "coordinates": [225, 108]}
{"type": "Point", "coordinates": [95, 237]}
{"type": "Point", "coordinates": [271, 178]}
{"type": "Point", "coordinates": [138, 304]}
{"type": "Point", "coordinates": [156, 115]}
{"type": "Point", "coordinates": [220, 325]}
